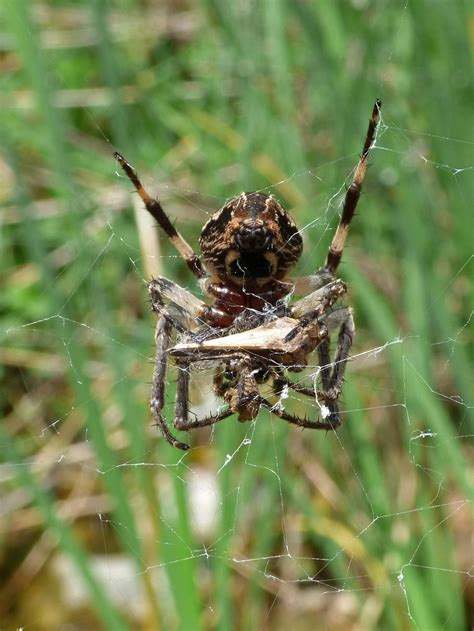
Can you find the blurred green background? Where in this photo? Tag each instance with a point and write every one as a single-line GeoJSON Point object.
{"type": "Point", "coordinates": [258, 526]}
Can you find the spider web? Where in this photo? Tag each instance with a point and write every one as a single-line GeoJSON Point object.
{"type": "Point", "coordinates": [356, 527]}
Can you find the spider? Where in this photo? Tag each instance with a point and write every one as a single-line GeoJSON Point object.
{"type": "Point", "coordinates": [250, 330]}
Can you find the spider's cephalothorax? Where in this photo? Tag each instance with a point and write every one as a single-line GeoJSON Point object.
{"type": "Point", "coordinates": [248, 248]}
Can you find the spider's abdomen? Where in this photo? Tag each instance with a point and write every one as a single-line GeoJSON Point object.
{"type": "Point", "coordinates": [250, 241]}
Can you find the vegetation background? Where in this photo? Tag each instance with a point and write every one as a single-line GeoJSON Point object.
{"type": "Point", "coordinates": [258, 526]}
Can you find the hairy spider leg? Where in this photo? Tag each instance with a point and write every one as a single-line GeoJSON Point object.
{"type": "Point", "coordinates": [189, 308]}
{"type": "Point", "coordinates": [212, 419]}
{"type": "Point", "coordinates": [280, 382]}
{"type": "Point", "coordinates": [296, 420]}
{"type": "Point", "coordinates": [157, 399]}
{"type": "Point", "coordinates": [331, 373]}
{"type": "Point", "coordinates": [156, 211]}
{"type": "Point", "coordinates": [352, 195]}
{"type": "Point", "coordinates": [192, 307]}
{"type": "Point", "coordinates": [181, 420]}
{"type": "Point", "coordinates": [326, 297]}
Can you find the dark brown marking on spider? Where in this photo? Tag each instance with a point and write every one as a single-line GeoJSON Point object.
{"type": "Point", "coordinates": [156, 211]}
{"type": "Point", "coordinates": [352, 195]}
{"type": "Point", "coordinates": [250, 241]}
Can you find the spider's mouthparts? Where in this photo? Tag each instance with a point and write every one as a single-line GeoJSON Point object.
{"type": "Point", "coordinates": [254, 237]}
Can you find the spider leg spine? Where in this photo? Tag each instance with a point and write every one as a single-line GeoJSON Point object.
{"type": "Point", "coordinates": [185, 426]}
{"type": "Point", "coordinates": [297, 420]}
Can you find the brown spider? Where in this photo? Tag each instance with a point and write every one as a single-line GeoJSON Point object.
{"type": "Point", "coordinates": [250, 330]}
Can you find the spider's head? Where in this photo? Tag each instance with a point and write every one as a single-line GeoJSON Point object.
{"type": "Point", "coordinates": [251, 240]}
